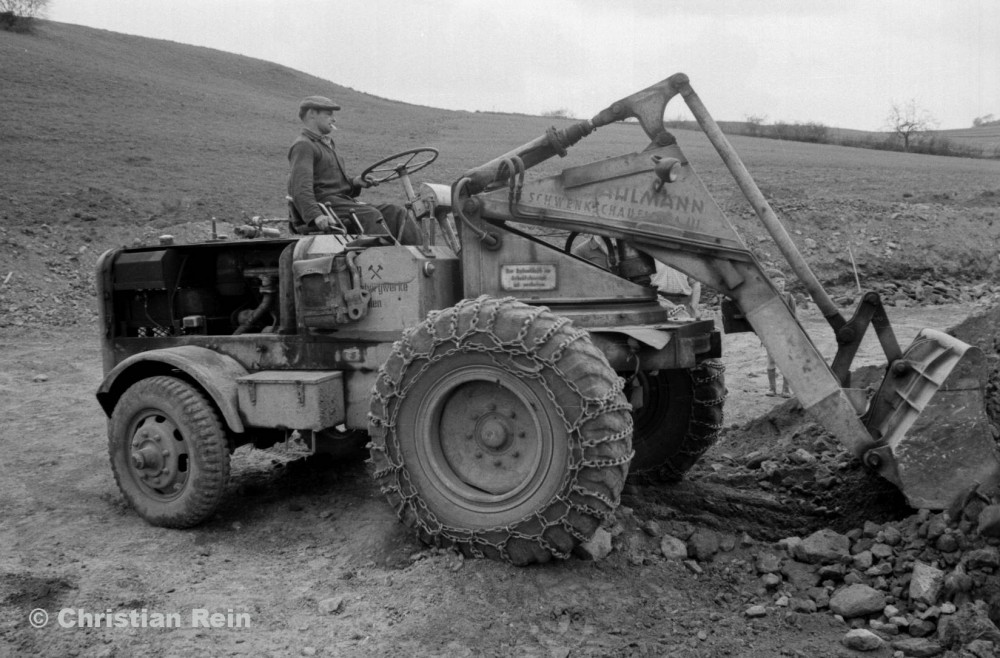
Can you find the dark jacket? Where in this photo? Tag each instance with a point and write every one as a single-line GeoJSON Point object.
{"type": "Point", "coordinates": [317, 173]}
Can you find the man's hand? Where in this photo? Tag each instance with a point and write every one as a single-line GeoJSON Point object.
{"type": "Point", "coordinates": [323, 223]}
{"type": "Point", "coordinates": [358, 181]}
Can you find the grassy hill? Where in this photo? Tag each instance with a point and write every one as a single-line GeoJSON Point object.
{"type": "Point", "coordinates": [155, 126]}
{"type": "Point", "coordinates": [141, 128]}
{"type": "Point", "coordinates": [108, 137]}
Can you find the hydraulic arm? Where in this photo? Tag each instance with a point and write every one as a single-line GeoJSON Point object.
{"type": "Point", "coordinates": [654, 202]}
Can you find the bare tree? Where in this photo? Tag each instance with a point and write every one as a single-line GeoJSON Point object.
{"type": "Point", "coordinates": [908, 120]}
{"type": "Point", "coordinates": [20, 15]}
{"type": "Point", "coordinates": [755, 124]}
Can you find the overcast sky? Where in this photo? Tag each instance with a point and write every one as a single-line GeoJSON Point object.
{"type": "Point", "coordinates": [838, 62]}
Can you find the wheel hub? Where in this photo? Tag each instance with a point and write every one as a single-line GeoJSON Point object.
{"type": "Point", "coordinates": [488, 439]}
{"type": "Point", "coordinates": [492, 432]}
{"type": "Point", "coordinates": [159, 456]}
{"type": "Point", "coordinates": [147, 459]}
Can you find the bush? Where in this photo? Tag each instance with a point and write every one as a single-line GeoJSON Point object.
{"type": "Point", "coordinates": [755, 125]}
{"type": "Point", "coordinates": [938, 145]}
{"type": "Point", "coordinates": [561, 113]}
{"type": "Point", "coordinates": [815, 132]}
{"type": "Point", "coordinates": [11, 22]}
{"type": "Point", "coordinates": [926, 143]}
{"type": "Point", "coordinates": [798, 132]}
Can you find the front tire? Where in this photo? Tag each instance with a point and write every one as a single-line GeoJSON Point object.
{"type": "Point", "coordinates": [499, 429]}
{"type": "Point", "coordinates": [169, 452]}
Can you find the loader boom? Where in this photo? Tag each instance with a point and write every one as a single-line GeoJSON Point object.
{"type": "Point", "coordinates": [654, 202]}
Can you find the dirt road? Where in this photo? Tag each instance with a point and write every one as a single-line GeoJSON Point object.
{"type": "Point", "coordinates": [308, 559]}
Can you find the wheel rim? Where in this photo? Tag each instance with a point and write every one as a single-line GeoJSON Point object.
{"type": "Point", "coordinates": [158, 457]}
{"type": "Point", "coordinates": [484, 445]}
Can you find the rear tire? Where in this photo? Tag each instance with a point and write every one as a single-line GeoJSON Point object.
{"type": "Point", "coordinates": [169, 452]}
{"type": "Point", "coordinates": [499, 429]}
{"type": "Point", "coordinates": [679, 420]}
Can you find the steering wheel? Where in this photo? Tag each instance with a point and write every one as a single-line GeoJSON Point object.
{"type": "Point", "coordinates": [608, 243]}
{"type": "Point", "coordinates": [399, 165]}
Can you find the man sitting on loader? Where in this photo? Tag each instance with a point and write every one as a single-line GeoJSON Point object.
{"type": "Point", "coordinates": [322, 198]}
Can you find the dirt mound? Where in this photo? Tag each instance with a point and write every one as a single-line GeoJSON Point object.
{"type": "Point", "coordinates": [816, 532]}
{"type": "Point", "coordinates": [781, 475]}
{"type": "Point", "coordinates": [982, 329]}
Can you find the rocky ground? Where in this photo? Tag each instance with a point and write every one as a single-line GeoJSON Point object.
{"type": "Point", "coordinates": [922, 584]}
{"type": "Point", "coordinates": [777, 544]}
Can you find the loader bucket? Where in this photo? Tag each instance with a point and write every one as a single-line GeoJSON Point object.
{"type": "Point", "coordinates": [930, 417]}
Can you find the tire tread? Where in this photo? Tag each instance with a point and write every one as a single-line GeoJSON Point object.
{"type": "Point", "coordinates": [208, 444]}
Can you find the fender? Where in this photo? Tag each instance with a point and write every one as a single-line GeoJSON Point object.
{"type": "Point", "coordinates": [215, 373]}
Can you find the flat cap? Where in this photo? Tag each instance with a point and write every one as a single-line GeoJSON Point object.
{"type": "Point", "coordinates": [318, 103]}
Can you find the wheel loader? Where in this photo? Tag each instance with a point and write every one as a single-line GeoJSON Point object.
{"type": "Point", "coordinates": [504, 385]}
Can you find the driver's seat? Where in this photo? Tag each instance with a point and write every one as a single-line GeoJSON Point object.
{"type": "Point", "coordinates": [356, 239]}
{"type": "Point", "coordinates": [298, 226]}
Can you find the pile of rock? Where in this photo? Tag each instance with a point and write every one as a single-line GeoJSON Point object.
{"type": "Point", "coordinates": [931, 291]}
{"type": "Point", "coordinates": [48, 278]}
{"type": "Point", "coordinates": [923, 584]}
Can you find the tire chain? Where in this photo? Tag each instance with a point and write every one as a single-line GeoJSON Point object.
{"type": "Point", "coordinates": [710, 393]}
{"type": "Point", "coordinates": [395, 479]}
